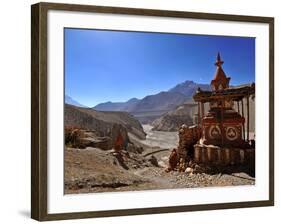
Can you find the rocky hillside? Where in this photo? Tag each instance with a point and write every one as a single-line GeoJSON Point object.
{"type": "Point", "coordinates": [103, 123]}
{"type": "Point", "coordinates": [172, 120]}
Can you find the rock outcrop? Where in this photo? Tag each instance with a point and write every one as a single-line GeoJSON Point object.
{"type": "Point", "coordinates": [188, 136]}
{"type": "Point", "coordinates": [100, 129]}
{"type": "Point", "coordinates": [172, 120]}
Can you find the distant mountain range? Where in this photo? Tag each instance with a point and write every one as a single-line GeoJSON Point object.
{"type": "Point", "coordinates": [73, 102]}
{"type": "Point", "coordinates": [163, 101]}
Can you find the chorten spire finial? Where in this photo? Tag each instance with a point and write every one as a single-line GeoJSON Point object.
{"type": "Point", "coordinates": [220, 81]}
{"type": "Point", "coordinates": [219, 62]}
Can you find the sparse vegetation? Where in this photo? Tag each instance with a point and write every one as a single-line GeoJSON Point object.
{"type": "Point", "coordinates": [73, 137]}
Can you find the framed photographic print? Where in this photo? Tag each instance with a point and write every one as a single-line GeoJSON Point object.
{"type": "Point", "coordinates": [139, 111]}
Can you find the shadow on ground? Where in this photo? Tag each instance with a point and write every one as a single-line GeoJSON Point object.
{"type": "Point", "coordinates": [230, 170]}
{"type": "Point", "coordinates": [24, 213]}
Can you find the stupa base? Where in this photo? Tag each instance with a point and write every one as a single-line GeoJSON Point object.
{"type": "Point", "coordinates": [223, 156]}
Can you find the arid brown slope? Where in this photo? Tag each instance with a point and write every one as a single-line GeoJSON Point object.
{"type": "Point", "coordinates": [172, 120]}
{"type": "Point", "coordinates": [102, 122]}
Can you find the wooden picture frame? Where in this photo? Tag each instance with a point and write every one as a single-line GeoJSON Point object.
{"type": "Point", "coordinates": [39, 108]}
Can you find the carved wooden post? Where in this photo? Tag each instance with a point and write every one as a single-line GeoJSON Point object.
{"type": "Point", "coordinates": [202, 113]}
{"type": "Point", "coordinates": [210, 151]}
{"type": "Point", "coordinates": [243, 127]}
{"type": "Point", "coordinates": [203, 110]}
{"type": "Point", "coordinates": [242, 155]}
{"type": "Point", "coordinates": [227, 156]}
{"type": "Point", "coordinates": [238, 107]}
{"type": "Point", "coordinates": [221, 123]}
{"type": "Point", "coordinates": [197, 154]}
{"type": "Point", "coordinates": [219, 156]}
{"type": "Point", "coordinates": [198, 117]}
{"type": "Point", "coordinates": [248, 118]}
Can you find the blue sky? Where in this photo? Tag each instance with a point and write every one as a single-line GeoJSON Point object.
{"type": "Point", "coordinates": [115, 66]}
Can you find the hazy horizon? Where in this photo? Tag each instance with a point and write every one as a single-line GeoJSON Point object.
{"type": "Point", "coordinates": [130, 97]}
{"type": "Point", "coordinates": [102, 66]}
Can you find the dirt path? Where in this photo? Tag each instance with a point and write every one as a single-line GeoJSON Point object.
{"type": "Point", "coordinates": [156, 181]}
{"type": "Point", "coordinates": [154, 152]}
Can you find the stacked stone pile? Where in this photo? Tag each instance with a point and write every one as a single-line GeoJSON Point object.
{"type": "Point", "coordinates": [188, 137]}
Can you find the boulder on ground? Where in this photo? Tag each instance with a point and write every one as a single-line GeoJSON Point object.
{"type": "Point", "coordinates": [153, 161]}
{"type": "Point", "coordinates": [188, 170]}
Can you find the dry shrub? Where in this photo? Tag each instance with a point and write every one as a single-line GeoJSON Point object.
{"type": "Point", "coordinates": [73, 137]}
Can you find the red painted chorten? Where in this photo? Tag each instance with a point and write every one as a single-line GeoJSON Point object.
{"type": "Point", "coordinates": [222, 125]}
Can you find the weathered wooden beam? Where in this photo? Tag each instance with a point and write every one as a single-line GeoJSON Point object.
{"type": "Point", "coordinates": [217, 97]}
